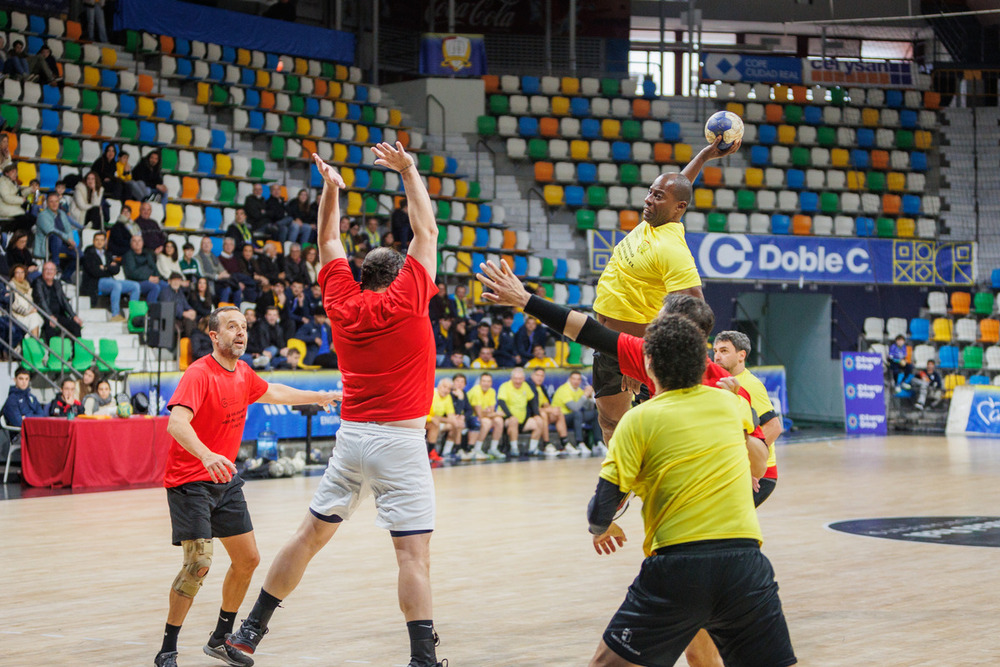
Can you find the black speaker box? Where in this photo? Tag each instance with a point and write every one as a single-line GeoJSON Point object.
{"type": "Point", "coordinates": [160, 330]}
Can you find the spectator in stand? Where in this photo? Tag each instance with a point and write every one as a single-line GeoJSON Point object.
{"type": "Point", "coordinates": [316, 334]}
{"type": "Point", "coordinates": [485, 358]}
{"type": "Point", "coordinates": [529, 336]}
{"type": "Point", "coordinates": [460, 337]}
{"type": "Point", "coordinates": [12, 204]}
{"type": "Point", "coordinates": [49, 295]}
{"type": "Point", "coordinates": [251, 315]}
{"type": "Point", "coordinates": [548, 413]}
{"type": "Point", "coordinates": [20, 306]}
{"type": "Point", "coordinates": [201, 298]}
{"type": "Point", "coordinates": [442, 417]}
{"type": "Point", "coordinates": [123, 170]}
{"type": "Point", "coordinates": [43, 66]}
{"type": "Point", "coordinates": [100, 402]}
{"type": "Point", "coordinates": [168, 262]}
{"type": "Point", "coordinates": [18, 253]}
{"type": "Point", "coordinates": [65, 198]}
{"type": "Point", "coordinates": [312, 265]}
{"type": "Point", "coordinates": [21, 402]}
{"type": "Point", "coordinates": [899, 368]}
{"type": "Point", "coordinates": [579, 409]}
{"type": "Point", "coordinates": [399, 222]}
{"type": "Point", "coordinates": [357, 260]}
{"type": "Point", "coordinates": [267, 339]}
{"type": "Point", "coordinates": [185, 317]}
{"type": "Point", "coordinates": [88, 202]}
{"type": "Point", "coordinates": [106, 168]}
{"type": "Point", "coordinates": [460, 401]}
{"type": "Point", "coordinates": [442, 338]}
{"type": "Point", "coordinates": [372, 233]}
{"type": "Point", "coordinates": [255, 206]}
{"type": "Point", "coordinates": [291, 362]}
{"type": "Point", "coordinates": [483, 400]}
{"type": "Point", "coordinates": [87, 383]}
{"type": "Point", "coordinates": [388, 241]}
{"type": "Point", "coordinates": [503, 343]}
{"type": "Point", "coordinates": [201, 342]}
{"type": "Point", "coordinates": [438, 304]}
{"type": "Point", "coordinates": [189, 265]}
{"type": "Point", "coordinates": [459, 304]}
{"type": "Point", "coordinates": [481, 340]}
{"type": "Point", "coordinates": [5, 156]}
{"type": "Point", "coordinates": [456, 360]}
{"type": "Point", "coordinates": [286, 229]}
{"type": "Point", "coordinates": [273, 296]}
{"type": "Point", "coordinates": [514, 398]}
{"type": "Point", "coordinates": [153, 235]}
{"type": "Point", "coordinates": [99, 269]}
{"type": "Point", "coordinates": [66, 403]}
{"type": "Point", "coordinates": [302, 213]}
{"type": "Point", "coordinates": [55, 232]}
{"type": "Point", "coordinates": [122, 232]}
{"type": "Point", "coordinates": [346, 237]}
{"type": "Point", "coordinates": [147, 179]}
{"type": "Point", "coordinates": [225, 287]}
{"type": "Point", "coordinates": [238, 270]}
{"type": "Point", "coordinates": [267, 263]}
{"type": "Point", "coordinates": [33, 197]}
{"type": "Point", "coordinates": [140, 265]}
{"type": "Point", "coordinates": [929, 384]}
{"type": "Point", "coordinates": [94, 10]}
{"type": "Point", "coordinates": [240, 231]}
{"type": "Point", "coordinates": [16, 65]}
{"type": "Point", "coordinates": [539, 359]}
{"type": "Point", "coordinates": [300, 307]}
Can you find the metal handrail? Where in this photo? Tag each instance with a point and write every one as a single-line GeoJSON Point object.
{"type": "Point", "coordinates": [548, 214]}
{"type": "Point", "coordinates": [427, 115]}
{"type": "Point", "coordinates": [11, 348]}
{"type": "Point", "coordinates": [482, 142]}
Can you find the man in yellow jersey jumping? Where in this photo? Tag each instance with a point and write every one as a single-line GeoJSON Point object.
{"type": "Point", "coordinates": [683, 453]}
{"type": "Point", "coordinates": [650, 262]}
{"type": "Point", "coordinates": [731, 349]}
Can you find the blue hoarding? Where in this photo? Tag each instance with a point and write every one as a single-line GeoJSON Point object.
{"type": "Point", "coordinates": [751, 68]}
{"type": "Point", "coordinates": [452, 55]}
{"type": "Point", "coordinates": [975, 410]}
{"type": "Point", "coordinates": [864, 393]}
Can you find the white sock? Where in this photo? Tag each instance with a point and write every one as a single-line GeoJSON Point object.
{"type": "Point", "coordinates": [478, 447]}
{"type": "Point", "coordinates": [532, 445]}
{"type": "Point", "coordinates": [448, 446]}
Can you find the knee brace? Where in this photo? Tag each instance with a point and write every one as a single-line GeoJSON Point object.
{"type": "Point", "coordinates": [197, 561]}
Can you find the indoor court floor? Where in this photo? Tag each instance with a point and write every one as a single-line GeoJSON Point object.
{"type": "Point", "coordinates": [516, 579]}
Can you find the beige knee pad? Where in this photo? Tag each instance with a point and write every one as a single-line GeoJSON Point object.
{"type": "Point", "coordinates": [197, 558]}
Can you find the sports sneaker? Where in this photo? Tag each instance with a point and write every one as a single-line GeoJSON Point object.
{"type": "Point", "coordinates": [497, 454]}
{"type": "Point", "coordinates": [415, 663]}
{"type": "Point", "coordinates": [464, 455]}
{"type": "Point", "coordinates": [480, 455]}
{"type": "Point", "coordinates": [434, 456]}
{"type": "Point", "coordinates": [117, 318]}
{"type": "Point", "coordinates": [227, 653]}
{"type": "Point", "coordinates": [166, 659]}
{"type": "Point", "coordinates": [570, 450]}
{"type": "Point", "coordinates": [247, 637]}
{"type": "Point", "coordinates": [550, 450]}
{"type": "Point", "coordinates": [600, 449]}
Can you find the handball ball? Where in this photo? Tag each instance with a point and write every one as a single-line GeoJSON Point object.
{"type": "Point", "coordinates": [281, 65]}
{"type": "Point", "coordinates": [726, 123]}
{"type": "Point", "coordinates": [124, 410]}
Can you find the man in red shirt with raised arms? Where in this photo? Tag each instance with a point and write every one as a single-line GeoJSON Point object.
{"type": "Point", "coordinates": [205, 495]}
{"type": "Point", "coordinates": [385, 347]}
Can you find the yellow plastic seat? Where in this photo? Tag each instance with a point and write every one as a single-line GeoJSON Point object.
{"type": "Point", "coordinates": [144, 107]}
{"type": "Point", "coordinates": [223, 165]}
{"type": "Point", "coordinates": [354, 203]}
{"type": "Point", "coordinates": [243, 57]}
{"type": "Point", "coordinates": [334, 90]}
{"type": "Point", "coordinates": [203, 93]}
{"type": "Point", "coordinates": [302, 126]}
{"type": "Point", "coordinates": [468, 237]}
{"type": "Point", "coordinates": [754, 177]}
{"type": "Point", "coordinates": [611, 128]}
{"type": "Point", "coordinates": [339, 153]}
{"type": "Point", "coordinates": [471, 213]}
{"type": "Point", "coordinates": [682, 153]}
{"type": "Point", "coordinates": [855, 180]}
{"type": "Point", "coordinates": [464, 263]}
{"type": "Point", "coordinates": [263, 79]}
{"type": "Point", "coordinates": [896, 181]}
{"type": "Point", "coordinates": [340, 73]}
{"type": "Point", "coordinates": [174, 216]}
{"type": "Point", "coordinates": [553, 195]}
{"type": "Point", "coordinates": [361, 134]}
{"type": "Point", "coordinates": [109, 57]}
{"type": "Point", "coordinates": [839, 157]}
{"type": "Point", "coordinates": [869, 117]}
{"type": "Point", "coordinates": [560, 106]}
{"type": "Point", "coordinates": [462, 191]}
{"type": "Point", "coordinates": [300, 346]}
{"type": "Point", "coordinates": [906, 228]}
{"type": "Point", "coordinates": [951, 382]}
{"type": "Point", "coordinates": [26, 172]}
{"type": "Point", "coordinates": [49, 148]}
{"type": "Point", "coordinates": [941, 330]}
{"type": "Point", "coordinates": [570, 85]}
{"type": "Point", "coordinates": [735, 107]}
{"type": "Point", "coordinates": [348, 175]}
{"type": "Point", "coordinates": [395, 117]}
{"type": "Point", "coordinates": [301, 66]}
{"type": "Point", "coordinates": [91, 76]}
{"type": "Point", "coordinates": [438, 163]}
{"type": "Point", "coordinates": [340, 109]}
{"type": "Point", "coordinates": [182, 135]}
{"type": "Point", "coordinates": [579, 149]}
{"type": "Point", "coordinates": [703, 198]}
{"type": "Point", "coordinates": [786, 134]}
{"type": "Point", "coordinates": [922, 139]}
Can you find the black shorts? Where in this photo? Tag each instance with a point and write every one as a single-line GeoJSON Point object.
{"type": "Point", "coordinates": [607, 375]}
{"type": "Point", "coordinates": [724, 586]}
{"type": "Point", "coordinates": [203, 510]}
{"type": "Point", "coordinates": [766, 489]}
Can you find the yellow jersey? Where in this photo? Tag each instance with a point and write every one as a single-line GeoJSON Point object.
{"type": "Point", "coordinates": [566, 394]}
{"type": "Point", "coordinates": [517, 399]}
{"type": "Point", "coordinates": [544, 362]}
{"type": "Point", "coordinates": [649, 263]}
{"type": "Point", "coordinates": [761, 404]}
{"type": "Point", "coordinates": [486, 400]}
{"type": "Point", "coordinates": [684, 453]}
{"type": "Point", "coordinates": [479, 363]}
{"type": "Point", "coordinates": [441, 406]}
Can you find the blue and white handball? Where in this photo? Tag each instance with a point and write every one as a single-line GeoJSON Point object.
{"type": "Point", "coordinates": [726, 123]}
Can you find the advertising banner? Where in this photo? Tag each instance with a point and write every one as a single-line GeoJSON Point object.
{"type": "Point", "coordinates": [775, 382]}
{"type": "Point", "coordinates": [452, 55]}
{"type": "Point", "coordinates": [864, 393]}
{"type": "Point", "coordinates": [816, 259]}
{"type": "Point", "coordinates": [878, 74]}
{"type": "Point", "coordinates": [734, 67]}
{"type": "Point", "coordinates": [975, 410]}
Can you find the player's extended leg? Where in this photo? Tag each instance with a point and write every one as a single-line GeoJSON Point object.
{"type": "Point", "coordinates": [701, 652]}
{"type": "Point", "coordinates": [244, 558]}
{"type": "Point", "coordinates": [605, 657]}
{"type": "Point", "coordinates": [197, 561]}
{"type": "Point", "coordinates": [610, 410]}
{"type": "Point", "coordinates": [413, 555]}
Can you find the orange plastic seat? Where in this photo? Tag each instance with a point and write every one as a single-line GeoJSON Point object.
{"type": "Point", "coordinates": [774, 113]}
{"type": "Point", "coordinates": [403, 137]}
{"type": "Point", "coordinates": [628, 220]}
{"type": "Point", "coordinates": [880, 159]}
{"type": "Point", "coordinates": [662, 152]}
{"type": "Point", "coordinates": [266, 99]}
{"type": "Point", "coordinates": [308, 148]}
{"type": "Point", "coordinates": [548, 127]}
{"type": "Point", "coordinates": [509, 239]}
{"type": "Point", "coordinates": [74, 29]}
{"type": "Point", "coordinates": [932, 99]}
{"type": "Point", "coordinates": [640, 108]}
{"type": "Point", "coordinates": [544, 172]}
{"type": "Point", "coordinates": [166, 44]}
{"type": "Point", "coordinates": [133, 206]}
{"type": "Point", "coordinates": [799, 94]}
{"type": "Point", "coordinates": [801, 225]}
{"type": "Point", "coordinates": [90, 125]}
{"type": "Point", "coordinates": [989, 331]}
{"type": "Point", "coordinates": [433, 185]}
{"type": "Point", "coordinates": [712, 176]}
{"type": "Point", "coordinates": [319, 88]}
{"type": "Point", "coordinates": [144, 83]}
{"type": "Point", "coordinates": [891, 204]}
{"type": "Point", "coordinates": [960, 303]}
{"type": "Point", "coordinates": [491, 82]}
{"type": "Point", "coordinates": [189, 187]}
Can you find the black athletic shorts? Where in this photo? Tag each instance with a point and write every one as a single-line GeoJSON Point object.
{"type": "Point", "coordinates": [724, 586]}
{"type": "Point", "coordinates": [203, 510]}
{"type": "Point", "coordinates": [607, 375]}
{"type": "Point", "coordinates": [766, 489]}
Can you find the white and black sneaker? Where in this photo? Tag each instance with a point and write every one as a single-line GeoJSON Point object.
{"type": "Point", "coordinates": [168, 659]}
{"type": "Point", "coordinates": [247, 637]}
{"type": "Point", "coordinates": [226, 653]}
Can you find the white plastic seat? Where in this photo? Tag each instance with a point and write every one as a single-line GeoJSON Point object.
{"type": "Point", "coordinates": [820, 157]}
{"type": "Point", "coordinates": [889, 118]}
{"type": "Point", "coordinates": [608, 219]}
{"type": "Point", "coordinates": [754, 113]}
{"type": "Point", "coordinates": [642, 151]}
{"type": "Point", "coordinates": [507, 126]}
{"type": "Point", "coordinates": [517, 148]}
{"type": "Point", "coordinates": [637, 196]}
{"type": "Point", "coordinates": [208, 189]}
{"type": "Point", "coordinates": [875, 97]}
{"type": "Point", "coordinates": [874, 328]}
{"type": "Point", "coordinates": [539, 105]}
{"type": "Point", "coordinates": [694, 221]}
{"type": "Point", "coordinates": [836, 179]}
{"type": "Point", "coordinates": [851, 116]}
{"type": "Point", "coordinates": [856, 96]}
{"type": "Point", "coordinates": [885, 138]}
{"type": "Point", "coordinates": [843, 225]}
{"type": "Point", "coordinates": [607, 172]}
{"type": "Point", "coordinates": [659, 109]}
{"type": "Point", "coordinates": [510, 83]}
{"type": "Point", "coordinates": [649, 172]}
{"type": "Point", "coordinates": [600, 150]}
{"type": "Point", "coordinates": [565, 172]}
{"type": "Point", "coordinates": [759, 223]}
{"type": "Point", "coordinates": [569, 128]}
{"type": "Point", "coordinates": [781, 156]}
{"type": "Point", "coordinates": [922, 354]}
{"type": "Point", "coordinates": [807, 135]}
{"type": "Point", "coordinates": [518, 105]}
{"type": "Point", "coordinates": [870, 203]}
{"type": "Point", "coordinates": [937, 303]}
{"type": "Point", "coordinates": [651, 130]}
{"type": "Point", "coordinates": [558, 149]}
{"type": "Point", "coordinates": [899, 160]}
{"type": "Point", "coordinates": [788, 201]}
{"type": "Point", "coordinates": [618, 197]}
{"type": "Point", "coordinates": [850, 202]}
{"type": "Point", "coordinates": [738, 223]}
{"type": "Point", "coordinates": [741, 91]}
{"type": "Point", "coordinates": [32, 93]}
{"type": "Point", "coordinates": [620, 108]}
{"type": "Point", "coordinates": [895, 326]}
{"type": "Point", "coordinates": [723, 91]}
{"type": "Point", "coordinates": [993, 359]}
{"type": "Point", "coordinates": [724, 198]}
{"type": "Point", "coordinates": [732, 176]}
{"type": "Point", "coordinates": [762, 92]}
{"type": "Point", "coordinates": [845, 136]}
{"type": "Point", "coordinates": [927, 119]}
{"type": "Point", "coordinates": [926, 228]}
{"type": "Point", "coordinates": [767, 200]}
{"type": "Point", "coordinates": [815, 179]}
{"type": "Point", "coordinates": [550, 85]}
{"type": "Point", "coordinates": [831, 115]}
{"type": "Point", "coordinates": [966, 330]}
{"type": "Point", "coordinates": [774, 178]}
{"type": "Point", "coordinates": [600, 107]}
{"type": "Point", "coordinates": [915, 182]}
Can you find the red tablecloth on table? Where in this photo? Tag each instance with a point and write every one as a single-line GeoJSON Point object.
{"type": "Point", "coordinates": [80, 453]}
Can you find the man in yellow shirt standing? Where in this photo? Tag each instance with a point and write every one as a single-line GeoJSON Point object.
{"type": "Point", "coordinates": [731, 349]}
{"type": "Point", "coordinates": [443, 416]}
{"type": "Point", "coordinates": [577, 405]}
{"type": "Point", "coordinates": [683, 453]}
{"type": "Point", "coordinates": [514, 397]}
{"type": "Point", "coordinates": [483, 399]}
{"type": "Point", "coordinates": [652, 261]}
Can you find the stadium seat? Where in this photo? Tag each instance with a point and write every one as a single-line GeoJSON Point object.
{"type": "Point", "coordinates": [937, 303]}
{"type": "Point", "coordinates": [942, 330]}
{"type": "Point", "coordinates": [920, 329]}
{"type": "Point", "coordinates": [948, 357]}
{"type": "Point", "coordinates": [993, 358]}
{"type": "Point", "coordinates": [972, 358]}
{"type": "Point", "coordinates": [966, 330]}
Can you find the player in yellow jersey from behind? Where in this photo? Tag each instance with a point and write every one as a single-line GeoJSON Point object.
{"type": "Point", "coordinates": [652, 261]}
{"type": "Point", "coordinates": [683, 453]}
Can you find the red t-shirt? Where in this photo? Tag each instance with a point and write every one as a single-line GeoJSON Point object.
{"type": "Point", "coordinates": [219, 400]}
{"type": "Point", "coordinates": [384, 342]}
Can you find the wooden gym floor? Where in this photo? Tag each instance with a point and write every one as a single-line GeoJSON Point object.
{"type": "Point", "coordinates": [516, 580]}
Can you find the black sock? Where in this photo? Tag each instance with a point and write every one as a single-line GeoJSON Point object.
{"type": "Point", "coordinates": [224, 625]}
{"type": "Point", "coordinates": [170, 638]}
{"type": "Point", "coordinates": [263, 608]}
{"type": "Point", "coordinates": [422, 641]}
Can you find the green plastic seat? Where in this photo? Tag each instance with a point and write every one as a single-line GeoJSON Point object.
{"type": "Point", "coordinates": [499, 105]}
{"type": "Point", "coordinates": [424, 162]}
{"type": "Point", "coordinates": [442, 235]}
{"type": "Point", "coordinates": [368, 114]}
{"type": "Point", "coordinates": [4, 20]}
{"type": "Point", "coordinates": [610, 87]}
{"type": "Point", "coordinates": [443, 209]}
{"type": "Point", "coordinates": [631, 130]}
{"type": "Point", "coordinates": [597, 196]}
{"type": "Point", "coordinates": [220, 95]}
{"type": "Point", "coordinates": [904, 139]}
{"type": "Point", "coordinates": [628, 174]}
{"type": "Point", "coordinates": [793, 114]}
{"type": "Point", "coordinates": [277, 148]}
{"type": "Point", "coordinates": [829, 202]}
{"type": "Point", "coordinates": [885, 228]}
{"type": "Point", "coordinates": [717, 222]}
{"type": "Point", "coordinates": [475, 190]}
{"type": "Point", "coordinates": [826, 136]}
{"type": "Point", "coordinates": [371, 205]}
{"type": "Point", "coordinates": [83, 354]}
{"type": "Point", "coordinates": [168, 158]}
{"type": "Point", "coordinates": [538, 149]}
{"type": "Point", "coordinates": [132, 41]}
{"type": "Point", "coordinates": [128, 129]}
{"type": "Point", "coordinates": [838, 97]}
{"type": "Point", "coordinates": [11, 115]}
{"type": "Point", "coordinates": [72, 51]}
{"type": "Point", "coordinates": [227, 192]}
{"type": "Point", "coordinates": [746, 200]}
{"type": "Point", "coordinates": [487, 126]}
{"type": "Point", "coordinates": [801, 157]}
{"type": "Point", "coordinates": [548, 267]}
{"type": "Point", "coordinates": [550, 290]}
{"type": "Point", "coordinates": [297, 104]}
{"type": "Point", "coordinates": [137, 311]}
{"type": "Point", "coordinates": [585, 219]}
{"type": "Point", "coordinates": [972, 358]}
{"type": "Point", "coordinates": [61, 347]}
{"type": "Point", "coordinates": [982, 302]}
{"type": "Point", "coordinates": [34, 353]}
{"type": "Point", "coordinates": [292, 83]}
{"type": "Point", "coordinates": [257, 168]}
{"type": "Point", "coordinates": [875, 180]}
{"type": "Point", "coordinates": [574, 355]}
{"type": "Point", "coordinates": [287, 125]}
{"type": "Point", "coordinates": [327, 70]}
{"type": "Point", "coordinates": [376, 181]}
{"type": "Point", "coordinates": [71, 150]}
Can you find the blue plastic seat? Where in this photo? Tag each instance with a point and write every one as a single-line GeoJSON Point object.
{"type": "Point", "coordinates": [590, 128]}
{"type": "Point", "coordinates": [477, 259]}
{"type": "Point", "coordinates": [573, 195]}
{"type": "Point", "coordinates": [182, 47]}
{"type": "Point", "coordinates": [795, 179]}
{"type": "Point", "coordinates": [147, 132]}
{"type": "Point", "coordinates": [586, 172]}
{"type": "Point", "coordinates": [808, 202]}
{"type": "Point", "coordinates": [216, 72]}
{"type": "Point", "coordinates": [908, 119]}
{"type": "Point", "coordinates": [51, 95]}
{"type": "Point", "coordinates": [271, 61]}
{"type": "Point", "coordinates": [760, 156]}
{"type": "Point", "coordinates": [332, 129]}
{"type": "Point", "coordinates": [375, 135]}
{"type": "Point", "coordinates": [482, 239]}
{"type": "Point", "coordinates": [51, 121]}
{"type": "Point", "coordinates": [126, 105]}
{"type": "Point", "coordinates": [574, 296]}
{"type": "Point", "coordinates": [485, 213]}
{"type": "Point", "coordinates": [248, 77]}
{"type": "Point", "coordinates": [562, 269]}
{"type": "Point", "coordinates": [36, 25]}
{"type": "Point", "coordinates": [767, 134]}
{"type": "Point", "coordinates": [354, 112]}
{"type": "Point", "coordinates": [859, 158]}
{"type": "Point", "coordinates": [520, 265]}
{"type": "Point", "coordinates": [315, 180]}
{"type": "Point", "coordinates": [354, 155]}
{"type": "Point", "coordinates": [995, 278]}
{"type": "Point", "coordinates": [866, 137]}
{"type": "Point", "coordinates": [527, 126]}
{"type": "Point", "coordinates": [228, 54]}
{"type": "Point", "coordinates": [184, 68]}
{"type": "Point", "coordinates": [213, 219]}
{"type": "Point", "coordinates": [911, 205]}
{"type": "Point", "coordinates": [780, 224]}
{"type": "Point", "coordinates": [109, 78]}
{"type": "Point", "coordinates": [34, 43]}
{"type": "Point", "coordinates": [48, 174]}
{"type": "Point", "coordinates": [255, 120]}
{"type": "Point", "coordinates": [362, 177]}
{"type": "Point", "coordinates": [920, 329]}
{"type": "Point", "coordinates": [978, 379]}
{"type": "Point", "coordinates": [918, 161]}
{"type": "Point", "coordinates": [361, 93]}
{"type": "Point", "coordinates": [864, 226]}
{"type": "Point", "coordinates": [813, 115]}
{"type": "Point", "coordinates": [206, 163]}
{"type": "Point", "coordinates": [894, 98]}
{"type": "Point", "coordinates": [251, 98]}
{"type": "Point", "coordinates": [450, 165]}
{"type": "Point", "coordinates": [621, 151]}
{"type": "Point", "coordinates": [311, 108]}
{"type": "Point", "coordinates": [530, 85]}
{"type": "Point", "coordinates": [671, 131]}
{"type": "Point", "coordinates": [164, 109]}
{"type": "Point", "coordinates": [579, 106]}
{"type": "Point", "coordinates": [948, 356]}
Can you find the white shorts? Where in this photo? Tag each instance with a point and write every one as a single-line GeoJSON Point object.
{"type": "Point", "coordinates": [388, 461]}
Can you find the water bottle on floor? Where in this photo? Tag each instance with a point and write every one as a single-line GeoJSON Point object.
{"type": "Point", "coordinates": [267, 443]}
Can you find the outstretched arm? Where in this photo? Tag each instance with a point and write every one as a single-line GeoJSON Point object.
{"type": "Point", "coordinates": [710, 152]}
{"type": "Point", "coordinates": [423, 247]}
{"type": "Point", "coordinates": [282, 394]}
{"type": "Point", "coordinates": [328, 220]}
